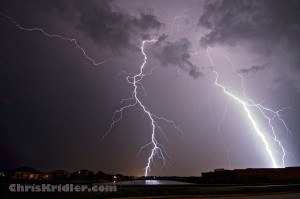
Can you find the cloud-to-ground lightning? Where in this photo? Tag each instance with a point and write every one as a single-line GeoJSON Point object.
{"type": "Point", "coordinates": [41, 30]}
{"type": "Point", "coordinates": [246, 104]}
{"type": "Point", "coordinates": [135, 80]}
{"type": "Point", "coordinates": [263, 110]}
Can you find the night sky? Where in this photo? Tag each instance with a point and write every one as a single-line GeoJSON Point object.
{"type": "Point", "coordinates": [56, 105]}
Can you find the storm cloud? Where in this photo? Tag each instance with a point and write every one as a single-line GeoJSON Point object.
{"type": "Point", "coordinates": [252, 69]}
{"type": "Point", "coordinates": [264, 23]}
{"type": "Point", "coordinates": [264, 27]}
{"type": "Point", "coordinates": [112, 28]}
{"type": "Point", "coordinates": [177, 54]}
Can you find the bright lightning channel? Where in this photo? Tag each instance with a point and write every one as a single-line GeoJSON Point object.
{"type": "Point", "coordinates": [12, 21]}
{"type": "Point", "coordinates": [252, 120]}
{"type": "Point", "coordinates": [135, 80]}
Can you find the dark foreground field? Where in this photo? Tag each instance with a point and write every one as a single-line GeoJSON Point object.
{"type": "Point", "coordinates": [212, 191]}
{"type": "Point", "coordinates": [291, 191]}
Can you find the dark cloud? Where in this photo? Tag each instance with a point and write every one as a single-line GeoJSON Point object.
{"type": "Point", "coordinates": [146, 22]}
{"type": "Point", "coordinates": [177, 54]}
{"type": "Point", "coordinates": [109, 27]}
{"type": "Point", "coordinates": [103, 25]}
{"type": "Point", "coordinates": [195, 73]}
{"type": "Point", "coordinates": [252, 69]}
{"type": "Point", "coordinates": [260, 24]}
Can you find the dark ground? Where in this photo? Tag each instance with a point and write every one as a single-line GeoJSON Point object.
{"type": "Point", "coordinates": [166, 191]}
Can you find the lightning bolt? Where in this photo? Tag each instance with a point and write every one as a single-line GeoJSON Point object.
{"type": "Point", "coordinates": [74, 41]}
{"type": "Point", "coordinates": [135, 80]}
{"type": "Point", "coordinates": [251, 118]}
{"type": "Point", "coordinates": [274, 114]}
{"type": "Point", "coordinates": [221, 135]}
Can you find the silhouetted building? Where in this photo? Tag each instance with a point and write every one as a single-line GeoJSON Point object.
{"type": "Point", "coordinates": [59, 175]}
{"type": "Point", "coordinates": [253, 175]}
{"type": "Point", "coordinates": [83, 175]}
